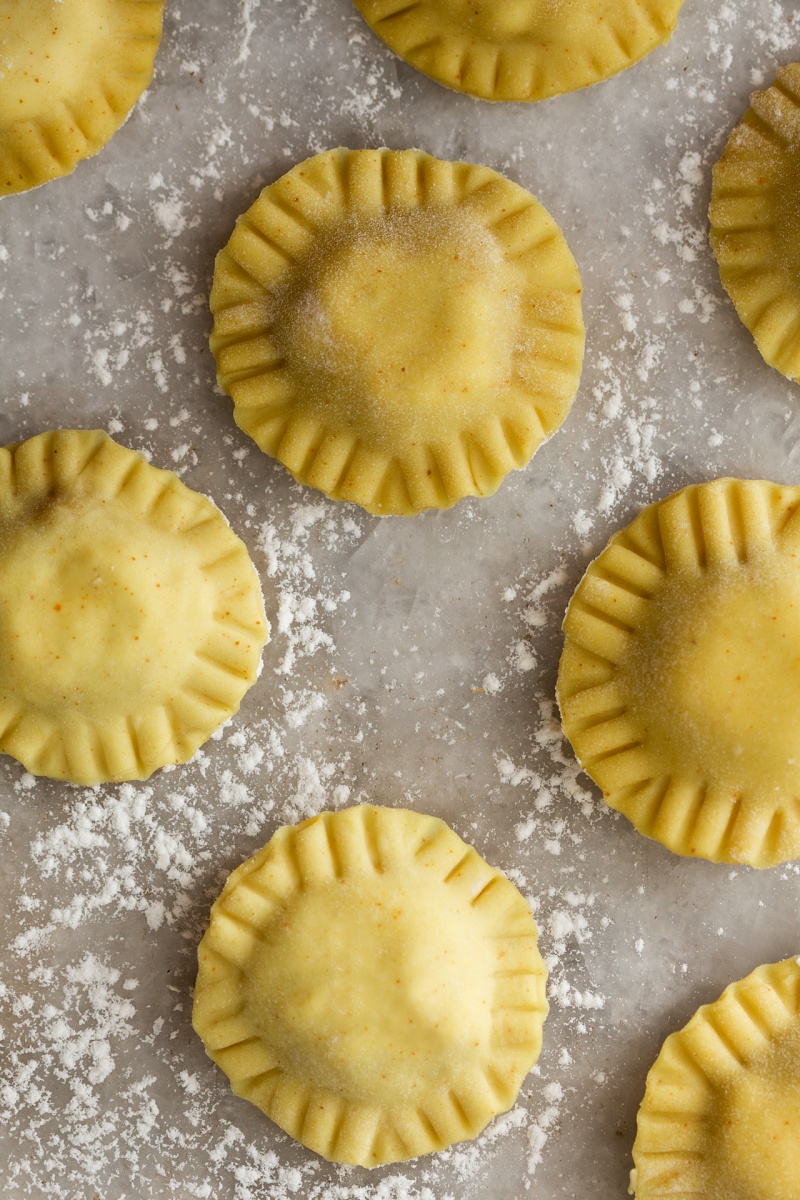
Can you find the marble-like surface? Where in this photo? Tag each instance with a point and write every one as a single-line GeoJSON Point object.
{"type": "Point", "coordinates": [413, 662]}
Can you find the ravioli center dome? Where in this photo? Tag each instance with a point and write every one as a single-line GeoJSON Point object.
{"type": "Point", "coordinates": [500, 20]}
{"type": "Point", "coordinates": [38, 45]}
{"type": "Point", "coordinates": [720, 682]}
{"type": "Point", "coordinates": [102, 599]}
{"type": "Point", "coordinates": [401, 983]}
{"type": "Point", "coordinates": [402, 316]}
{"type": "Point", "coordinates": [759, 1149]}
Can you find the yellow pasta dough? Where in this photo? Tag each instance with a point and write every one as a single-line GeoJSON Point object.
{"type": "Point", "coordinates": [720, 1119]}
{"type": "Point", "coordinates": [372, 985]}
{"type": "Point", "coordinates": [755, 220]}
{"type": "Point", "coordinates": [398, 331]}
{"type": "Point", "coordinates": [521, 49]}
{"type": "Point", "coordinates": [679, 682]}
{"type": "Point", "coordinates": [70, 72]}
{"type": "Point", "coordinates": [131, 617]}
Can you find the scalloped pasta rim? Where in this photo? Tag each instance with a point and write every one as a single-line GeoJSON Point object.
{"type": "Point", "coordinates": [717, 1045]}
{"type": "Point", "coordinates": [536, 60]}
{"type": "Point", "coordinates": [729, 520]}
{"type": "Point", "coordinates": [469, 461]}
{"type": "Point", "coordinates": [748, 232]}
{"type": "Point", "coordinates": [89, 465]}
{"type": "Point", "coordinates": [100, 99]}
{"type": "Point", "coordinates": [367, 841]}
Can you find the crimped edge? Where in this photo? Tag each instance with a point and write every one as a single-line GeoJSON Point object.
{"type": "Point", "coordinates": [744, 238]}
{"type": "Point", "coordinates": [516, 69]}
{"type": "Point", "coordinates": [35, 152]}
{"type": "Point", "coordinates": [88, 463]}
{"type": "Point", "coordinates": [720, 1041]}
{"type": "Point", "coordinates": [367, 839]}
{"type": "Point", "coordinates": [281, 225]}
{"type": "Point", "coordinates": [722, 522]}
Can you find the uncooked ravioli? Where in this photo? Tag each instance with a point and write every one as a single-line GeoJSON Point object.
{"type": "Point", "coordinates": [372, 985]}
{"type": "Point", "coordinates": [70, 73]}
{"type": "Point", "coordinates": [521, 49]}
{"type": "Point", "coordinates": [131, 617]}
{"type": "Point", "coordinates": [755, 220]}
{"type": "Point", "coordinates": [720, 1119]}
{"type": "Point", "coordinates": [679, 682]}
{"type": "Point", "coordinates": [397, 330]}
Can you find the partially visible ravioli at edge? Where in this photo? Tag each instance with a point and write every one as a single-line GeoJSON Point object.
{"type": "Point", "coordinates": [680, 674]}
{"type": "Point", "coordinates": [131, 615]}
{"type": "Point", "coordinates": [72, 70]}
{"type": "Point", "coordinates": [755, 220]}
{"type": "Point", "coordinates": [521, 49]}
{"type": "Point", "coordinates": [721, 1111]}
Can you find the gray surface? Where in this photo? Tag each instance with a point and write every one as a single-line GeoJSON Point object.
{"type": "Point", "coordinates": [381, 699]}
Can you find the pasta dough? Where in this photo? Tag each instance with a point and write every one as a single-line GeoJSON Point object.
{"type": "Point", "coordinates": [721, 1113]}
{"type": "Point", "coordinates": [521, 49]}
{"type": "Point", "coordinates": [398, 331]}
{"type": "Point", "coordinates": [680, 677]}
{"type": "Point", "coordinates": [372, 985]}
{"type": "Point", "coordinates": [131, 617]}
{"type": "Point", "coordinates": [755, 220]}
{"type": "Point", "coordinates": [72, 70]}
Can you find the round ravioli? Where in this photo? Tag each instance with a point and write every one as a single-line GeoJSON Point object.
{"type": "Point", "coordinates": [372, 985]}
{"type": "Point", "coordinates": [679, 683]}
{"type": "Point", "coordinates": [720, 1119]}
{"type": "Point", "coordinates": [755, 220]}
{"type": "Point", "coordinates": [131, 616]}
{"type": "Point", "coordinates": [398, 331]}
{"type": "Point", "coordinates": [521, 49]}
{"type": "Point", "coordinates": [72, 70]}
